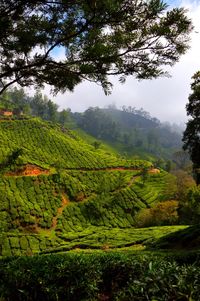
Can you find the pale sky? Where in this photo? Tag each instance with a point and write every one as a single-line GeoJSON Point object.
{"type": "Point", "coordinates": [164, 98]}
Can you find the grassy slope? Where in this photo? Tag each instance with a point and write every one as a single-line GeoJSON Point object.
{"type": "Point", "coordinates": [186, 238]}
{"type": "Point", "coordinates": [105, 146]}
{"type": "Point", "coordinates": [70, 208]}
{"type": "Point", "coordinates": [46, 144]}
{"type": "Point", "coordinates": [118, 148]}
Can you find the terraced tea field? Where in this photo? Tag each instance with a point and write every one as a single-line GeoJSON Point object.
{"type": "Point", "coordinates": [63, 194]}
{"type": "Point", "coordinates": [49, 145]}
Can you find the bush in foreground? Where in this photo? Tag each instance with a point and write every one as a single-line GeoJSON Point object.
{"type": "Point", "coordinates": [99, 276]}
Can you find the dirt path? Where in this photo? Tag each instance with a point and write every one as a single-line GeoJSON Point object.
{"type": "Point", "coordinates": [34, 170]}
{"type": "Point", "coordinates": [151, 170]}
{"type": "Point", "coordinates": [29, 170]}
{"type": "Point", "coordinates": [132, 180]}
{"type": "Point", "coordinates": [104, 168]}
{"type": "Point", "coordinates": [48, 231]}
{"type": "Point", "coordinates": [65, 202]}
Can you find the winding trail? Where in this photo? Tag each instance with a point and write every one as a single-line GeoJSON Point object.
{"type": "Point", "coordinates": [65, 202]}
{"type": "Point", "coordinates": [151, 170]}
{"type": "Point", "coordinates": [34, 170]}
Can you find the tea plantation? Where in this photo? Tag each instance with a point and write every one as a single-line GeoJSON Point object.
{"type": "Point", "coordinates": [60, 193]}
{"type": "Point", "coordinates": [49, 145]}
{"type": "Point", "coordinates": [69, 222]}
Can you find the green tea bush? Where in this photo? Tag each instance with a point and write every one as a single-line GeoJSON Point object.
{"type": "Point", "coordinates": [100, 276]}
{"type": "Point", "coordinates": [84, 188]}
{"type": "Point", "coordinates": [46, 144]}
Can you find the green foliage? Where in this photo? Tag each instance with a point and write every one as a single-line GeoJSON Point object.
{"type": "Point", "coordinates": [144, 174]}
{"type": "Point", "coordinates": [26, 204]}
{"type": "Point", "coordinates": [92, 277]}
{"type": "Point", "coordinates": [96, 144]}
{"type": "Point", "coordinates": [131, 131]}
{"type": "Point", "coordinates": [155, 38]}
{"type": "Point", "coordinates": [190, 209]}
{"type": "Point", "coordinates": [159, 186]}
{"type": "Point", "coordinates": [45, 144]}
{"type": "Point", "coordinates": [182, 159]}
{"type": "Point", "coordinates": [164, 213]}
{"type": "Point", "coordinates": [87, 198]}
{"type": "Point", "coordinates": [75, 238]}
{"type": "Point", "coordinates": [191, 137]}
{"type": "Point", "coordinates": [184, 183]}
{"type": "Point", "coordinates": [187, 239]}
{"type": "Point", "coordinates": [96, 199]}
{"type": "Point", "coordinates": [13, 158]}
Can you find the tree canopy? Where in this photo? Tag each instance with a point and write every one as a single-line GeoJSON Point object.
{"type": "Point", "coordinates": [191, 137]}
{"type": "Point", "coordinates": [98, 38]}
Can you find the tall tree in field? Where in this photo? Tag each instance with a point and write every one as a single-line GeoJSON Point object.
{"type": "Point", "coordinates": [52, 110]}
{"type": "Point", "coordinates": [5, 101]}
{"type": "Point", "coordinates": [191, 137]}
{"type": "Point", "coordinates": [98, 38]}
{"type": "Point", "coordinates": [64, 116]}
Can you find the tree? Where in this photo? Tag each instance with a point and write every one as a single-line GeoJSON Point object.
{"type": "Point", "coordinates": [96, 144]}
{"type": "Point", "coordinates": [144, 174]}
{"type": "Point", "coordinates": [13, 157]}
{"type": "Point", "coordinates": [153, 139]}
{"type": "Point", "coordinates": [39, 104]}
{"type": "Point", "coordinates": [190, 210]}
{"type": "Point", "coordinates": [64, 116]}
{"type": "Point", "coordinates": [18, 97]}
{"type": "Point", "coordinates": [98, 39]}
{"type": "Point", "coordinates": [191, 136]}
{"type": "Point", "coordinates": [5, 101]}
{"type": "Point", "coordinates": [181, 158]}
{"type": "Point", "coordinates": [52, 111]}
{"type": "Point", "coordinates": [184, 182]}
{"type": "Point", "coordinates": [163, 213]}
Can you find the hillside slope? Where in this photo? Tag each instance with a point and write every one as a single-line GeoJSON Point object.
{"type": "Point", "coordinates": [132, 132]}
{"type": "Point", "coordinates": [49, 145]}
{"type": "Point", "coordinates": [61, 193]}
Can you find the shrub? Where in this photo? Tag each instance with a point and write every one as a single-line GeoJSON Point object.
{"type": "Point", "coordinates": [190, 209]}
{"type": "Point", "coordinates": [163, 213]}
{"type": "Point", "coordinates": [103, 276]}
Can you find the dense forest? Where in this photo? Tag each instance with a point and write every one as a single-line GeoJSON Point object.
{"type": "Point", "coordinates": [131, 131]}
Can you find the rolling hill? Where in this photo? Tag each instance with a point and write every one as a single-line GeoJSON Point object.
{"type": "Point", "coordinates": [130, 131]}
{"type": "Point", "coordinates": [61, 193]}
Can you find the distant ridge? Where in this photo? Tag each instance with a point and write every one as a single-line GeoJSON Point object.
{"type": "Point", "coordinates": [131, 131]}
